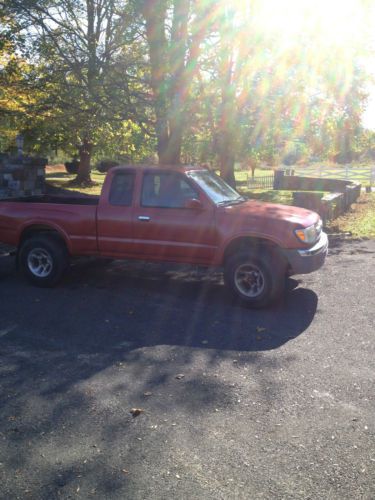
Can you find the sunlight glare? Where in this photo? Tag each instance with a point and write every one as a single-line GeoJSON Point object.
{"type": "Point", "coordinates": [334, 21]}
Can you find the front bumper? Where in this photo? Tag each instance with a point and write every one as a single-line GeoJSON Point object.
{"type": "Point", "coordinates": [307, 260]}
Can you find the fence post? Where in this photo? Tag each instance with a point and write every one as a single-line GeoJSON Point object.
{"type": "Point", "coordinates": [278, 179]}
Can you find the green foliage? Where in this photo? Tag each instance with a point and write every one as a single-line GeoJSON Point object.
{"type": "Point", "coordinates": [206, 81]}
{"type": "Point", "coordinates": [124, 141]}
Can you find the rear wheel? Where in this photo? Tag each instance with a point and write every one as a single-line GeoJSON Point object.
{"type": "Point", "coordinates": [43, 260]}
{"type": "Point", "coordinates": [257, 279]}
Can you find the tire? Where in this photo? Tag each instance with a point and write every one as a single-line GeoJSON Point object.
{"type": "Point", "coordinates": [256, 278]}
{"type": "Point", "coordinates": [43, 260]}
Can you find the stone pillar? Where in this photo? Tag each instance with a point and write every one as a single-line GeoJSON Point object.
{"type": "Point", "coordinates": [21, 177]}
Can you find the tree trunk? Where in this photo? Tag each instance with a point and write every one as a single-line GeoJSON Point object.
{"type": "Point", "coordinates": [253, 166]}
{"type": "Point", "coordinates": [227, 158]}
{"type": "Point", "coordinates": [171, 153]}
{"type": "Point", "coordinates": [227, 139]}
{"type": "Point", "coordinates": [228, 114]}
{"type": "Point", "coordinates": [154, 12]}
{"type": "Point", "coordinates": [173, 66]}
{"type": "Point", "coordinates": [84, 170]}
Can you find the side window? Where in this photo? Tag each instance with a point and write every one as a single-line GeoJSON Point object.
{"type": "Point", "coordinates": [121, 192]}
{"type": "Point", "coordinates": [166, 190]}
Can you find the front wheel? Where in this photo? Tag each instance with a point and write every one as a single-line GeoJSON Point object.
{"type": "Point", "coordinates": [257, 280]}
{"type": "Point", "coordinates": [43, 260]}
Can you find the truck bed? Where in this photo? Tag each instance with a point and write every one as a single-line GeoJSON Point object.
{"type": "Point", "coordinates": [55, 199]}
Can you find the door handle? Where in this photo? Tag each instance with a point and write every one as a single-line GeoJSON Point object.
{"type": "Point", "coordinates": [144, 218]}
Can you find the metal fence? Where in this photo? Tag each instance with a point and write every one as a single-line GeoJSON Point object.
{"type": "Point", "coordinates": [364, 175]}
{"type": "Point", "coordinates": [260, 182]}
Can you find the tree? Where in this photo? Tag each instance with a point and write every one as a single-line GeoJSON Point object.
{"type": "Point", "coordinates": [12, 100]}
{"type": "Point", "coordinates": [174, 59]}
{"type": "Point", "coordinates": [77, 46]}
{"type": "Point", "coordinates": [198, 81]}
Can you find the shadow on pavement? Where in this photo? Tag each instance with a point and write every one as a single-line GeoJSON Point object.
{"type": "Point", "coordinates": [76, 358]}
{"type": "Point", "coordinates": [123, 306]}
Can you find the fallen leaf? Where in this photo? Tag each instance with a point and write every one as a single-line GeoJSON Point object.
{"type": "Point", "coordinates": [260, 329]}
{"type": "Point", "coordinates": [147, 393]}
{"type": "Point", "coordinates": [136, 412]}
{"type": "Point", "coordinates": [125, 471]}
{"type": "Point", "coordinates": [204, 342]}
{"type": "Point", "coordinates": [180, 376]}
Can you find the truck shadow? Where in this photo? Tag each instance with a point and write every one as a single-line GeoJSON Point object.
{"type": "Point", "coordinates": [143, 304]}
{"type": "Point", "coordinates": [123, 306]}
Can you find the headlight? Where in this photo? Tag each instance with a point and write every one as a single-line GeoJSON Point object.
{"type": "Point", "coordinates": [309, 234]}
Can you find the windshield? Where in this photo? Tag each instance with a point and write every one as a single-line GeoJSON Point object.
{"type": "Point", "coordinates": [217, 189]}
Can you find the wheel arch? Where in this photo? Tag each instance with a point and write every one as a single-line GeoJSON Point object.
{"type": "Point", "coordinates": [42, 229]}
{"type": "Point", "coordinates": [243, 243]}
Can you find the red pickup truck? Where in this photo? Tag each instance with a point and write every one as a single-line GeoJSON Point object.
{"type": "Point", "coordinates": [173, 214]}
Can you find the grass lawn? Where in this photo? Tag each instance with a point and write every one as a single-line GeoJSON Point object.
{"type": "Point", "coordinates": [270, 195]}
{"type": "Point", "coordinates": [360, 221]}
{"type": "Point", "coordinates": [58, 177]}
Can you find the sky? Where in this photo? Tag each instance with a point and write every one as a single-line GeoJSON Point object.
{"type": "Point", "coordinates": [346, 23]}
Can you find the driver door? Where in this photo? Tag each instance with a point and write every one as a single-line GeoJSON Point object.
{"type": "Point", "coordinates": [164, 228]}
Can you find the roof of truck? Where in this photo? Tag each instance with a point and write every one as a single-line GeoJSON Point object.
{"type": "Point", "coordinates": [177, 168]}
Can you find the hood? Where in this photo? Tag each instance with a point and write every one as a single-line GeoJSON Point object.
{"type": "Point", "coordinates": [265, 220]}
{"type": "Point", "coordinates": [253, 209]}
{"type": "Point", "coordinates": [259, 209]}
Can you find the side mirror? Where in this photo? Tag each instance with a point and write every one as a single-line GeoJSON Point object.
{"type": "Point", "coordinates": [194, 204]}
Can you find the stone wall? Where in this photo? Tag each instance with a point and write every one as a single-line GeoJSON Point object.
{"type": "Point", "coordinates": [22, 176]}
{"type": "Point", "coordinates": [300, 183]}
{"type": "Point", "coordinates": [341, 195]}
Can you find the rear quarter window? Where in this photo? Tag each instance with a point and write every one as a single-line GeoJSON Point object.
{"type": "Point", "coordinates": [122, 188]}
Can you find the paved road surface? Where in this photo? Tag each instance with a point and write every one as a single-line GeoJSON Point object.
{"type": "Point", "coordinates": [270, 404]}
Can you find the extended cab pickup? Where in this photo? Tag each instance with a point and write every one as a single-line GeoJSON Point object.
{"type": "Point", "coordinates": [173, 214]}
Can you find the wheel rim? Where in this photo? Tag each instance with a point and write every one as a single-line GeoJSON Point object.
{"type": "Point", "coordinates": [39, 262]}
{"type": "Point", "coordinates": [249, 280]}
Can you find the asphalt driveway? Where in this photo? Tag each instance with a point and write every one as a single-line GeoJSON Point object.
{"type": "Point", "coordinates": [235, 403]}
